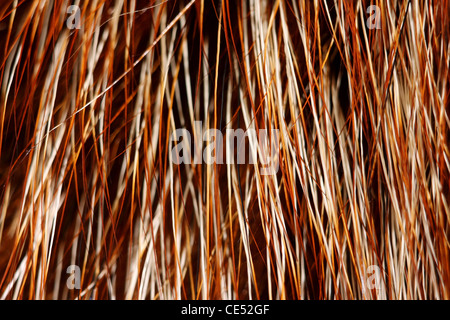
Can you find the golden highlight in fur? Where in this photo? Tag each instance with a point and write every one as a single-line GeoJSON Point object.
{"type": "Point", "coordinates": [93, 205]}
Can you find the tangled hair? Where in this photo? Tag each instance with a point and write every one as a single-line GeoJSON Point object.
{"type": "Point", "coordinates": [92, 91]}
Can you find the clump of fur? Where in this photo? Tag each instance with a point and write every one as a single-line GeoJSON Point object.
{"type": "Point", "coordinates": [86, 177]}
